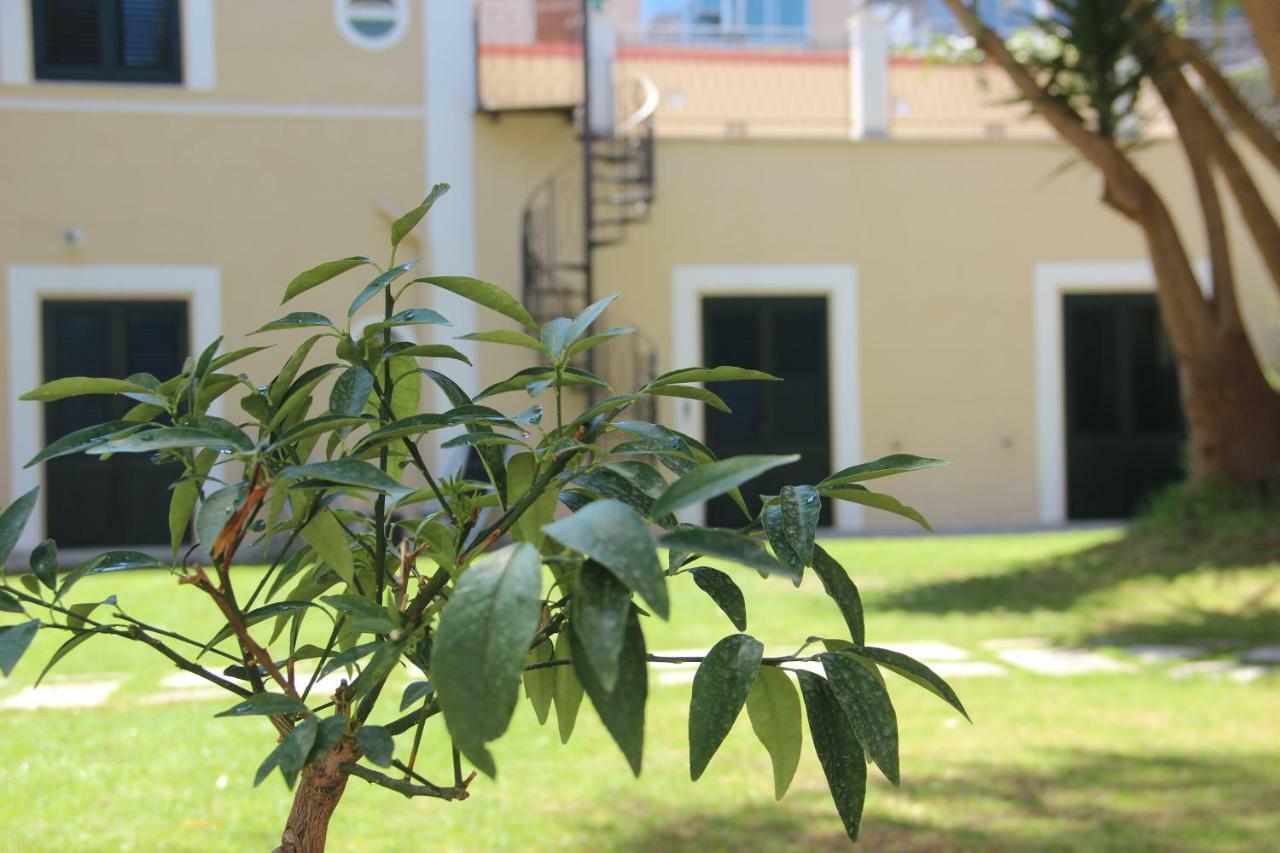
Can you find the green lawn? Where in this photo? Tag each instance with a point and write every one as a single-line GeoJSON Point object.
{"type": "Point", "coordinates": [1123, 762]}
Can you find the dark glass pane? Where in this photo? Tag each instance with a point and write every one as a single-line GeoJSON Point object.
{"type": "Point", "coordinates": [1092, 337]}
{"type": "Point", "coordinates": [80, 346]}
{"type": "Point", "coordinates": [146, 34]}
{"type": "Point", "coordinates": [72, 32]}
{"type": "Point", "coordinates": [156, 342]}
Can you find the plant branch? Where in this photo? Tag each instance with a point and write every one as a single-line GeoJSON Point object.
{"type": "Point", "coordinates": [201, 581]}
{"type": "Point", "coordinates": [407, 788]}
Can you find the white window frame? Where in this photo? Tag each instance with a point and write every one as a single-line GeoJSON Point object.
{"type": "Point", "coordinates": [28, 286]}
{"type": "Point", "coordinates": [1053, 280]}
{"type": "Point", "coordinates": [838, 283]}
{"type": "Point", "coordinates": [198, 61]}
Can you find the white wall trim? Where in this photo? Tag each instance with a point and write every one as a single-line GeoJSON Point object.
{"type": "Point", "coordinates": [839, 284]}
{"type": "Point", "coordinates": [28, 285]}
{"type": "Point", "coordinates": [448, 45]}
{"type": "Point", "coordinates": [15, 42]}
{"type": "Point", "coordinates": [1053, 279]}
{"type": "Point", "coordinates": [127, 106]}
{"type": "Point", "coordinates": [198, 54]}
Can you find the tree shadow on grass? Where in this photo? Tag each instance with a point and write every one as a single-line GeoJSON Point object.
{"type": "Point", "coordinates": [1165, 550]}
{"type": "Point", "coordinates": [1081, 801]}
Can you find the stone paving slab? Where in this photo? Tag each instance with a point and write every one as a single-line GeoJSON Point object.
{"type": "Point", "coordinates": [1262, 654]}
{"type": "Point", "coordinates": [927, 650]}
{"type": "Point", "coordinates": [77, 694]}
{"type": "Point", "coordinates": [968, 669]}
{"type": "Point", "coordinates": [1159, 653]}
{"type": "Point", "coordinates": [1060, 662]}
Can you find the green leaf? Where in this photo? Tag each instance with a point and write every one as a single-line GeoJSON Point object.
{"type": "Point", "coordinates": [320, 274]}
{"type": "Point", "coordinates": [111, 561]}
{"type": "Point", "coordinates": [326, 536]}
{"type": "Point", "coordinates": [597, 339]}
{"type": "Point", "coordinates": [214, 513]}
{"type": "Point", "coordinates": [318, 426]}
{"type": "Point", "coordinates": [540, 684]}
{"type": "Point", "coordinates": [489, 295]}
{"type": "Point", "coordinates": [860, 495]}
{"type": "Point", "coordinates": [801, 506]}
{"type": "Point", "coordinates": [867, 704]}
{"type": "Point", "coordinates": [351, 392]}
{"type": "Point", "coordinates": [165, 438]}
{"type": "Point", "coordinates": [555, 335]}
{"type": "Point", "coordinates": [841, 590]}
{"type": "Point", "coordinates": [724, 592]}
{"type": "Point", "coordinates": [9, 603]}
{"type": "Point", "coordinates": [232, 357]}
{"type": "Point", "coordinates": [773, 706]}
{"type": "Point", "coordinates": [408, 317]}
{"type": "Point", "coordinates": [402, 226]}
{"type": "Point", "coordinates": [14, 640]}
{"type": "Point", "coordinates": [510, 337]}
{"type": "Point", "coordinates": [379, 283]}
{"type": "Point", "coordinates": [621, 709]}
{"type": "Point", "coordinates": [428, 351]}
{"type": "Point", "coordinates": [613, 535]}
{"type": "Point", "coordinates": [291, 754]}
{"type": "Point", "coordinates": [691, 392]}
{"type": "Point", "coordinates": [887, 466]}
{"type": "Point", "coordinates": [65, 649]}
{"type": "Point", "coordinates": [708, 481]}
{"type": "Point", "coordinates": [727, 545]}
{"type": "Point", "coordinates": [415, 692]}
{"type": "Point", "coordinates": [355, 473]}
{"type": "Point", "coordinates": [79, 386]}
{"type": "Point", "coordinates": [264, 704]}
{"type": "Point", "coordinates": [600, 607]}
{"type": "Point", "coordinates": [44, 563]}
{"type": "Point", "coordinates": [720, 689]}
{"type": "Point", "coordinates": [294, 320]}
{"type": "Point", "coordinates": [82, 439]}
{"type": "Point", "coordinates": [711, 374]}
{"type": "Point", "coordinates": [403, 428]}
{"type": "Point", "coordinates": [910, 669]}
{"type": "Point", "coordinates": [349, 657]}
{"type": "Point", "coordinates": [260, 614]}
{"type": "Point", "coordinates": [838, 750]}
{"type": "Point", "coordinates": [377, 745]}
{"type": "Point", "coordinates": [568, 689]}
{"type": "Point", "coordinates": [775, 529]}
{"type": "Point", "coordinates": [588, 316]}
{"type": "Point", "coordinates": [13, 520]}
{"type": "Point", "coordinates": [480, 646]}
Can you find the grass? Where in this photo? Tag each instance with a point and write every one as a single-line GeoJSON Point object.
{"type": "Point", "coordinates": [1102, 762]}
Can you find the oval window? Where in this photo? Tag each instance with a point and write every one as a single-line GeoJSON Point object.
{"type": "Point", "coordinates": [372, 24]}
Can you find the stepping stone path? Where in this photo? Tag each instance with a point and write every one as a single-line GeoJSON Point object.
{"type": "Point", "coordinates": [1032, 654]}
{"type": "Point", "coordinates": [943, 658]}
{"type": "Point", "coordinates": [70, 694]}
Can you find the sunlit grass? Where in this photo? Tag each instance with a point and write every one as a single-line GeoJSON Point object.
{"type": "Point", "coordinates": [1094, 762]}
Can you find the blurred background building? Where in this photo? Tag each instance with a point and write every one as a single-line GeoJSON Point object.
{"type": "Point", "coordinates": [838, 192]}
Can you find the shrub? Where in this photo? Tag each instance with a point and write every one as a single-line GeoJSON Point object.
{"type": "Point", "coordinates": [395, 561]}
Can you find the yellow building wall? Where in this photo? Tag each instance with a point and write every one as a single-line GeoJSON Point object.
{"type": "Point", "coordinates": [945, 237]}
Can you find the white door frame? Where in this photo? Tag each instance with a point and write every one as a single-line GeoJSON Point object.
{"type": "Point", "coordinates": [28, 286]}
{"type": "Point", "coordinates": [1053, 280]}
{"type": "Point", "coordinates": [839, 284]}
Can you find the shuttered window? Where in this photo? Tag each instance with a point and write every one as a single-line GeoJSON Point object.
{"type": "Point", "coordinates": [124, 41]}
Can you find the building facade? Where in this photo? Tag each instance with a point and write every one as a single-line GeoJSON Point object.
{"type": "Point", "coordinates": [905, 248]}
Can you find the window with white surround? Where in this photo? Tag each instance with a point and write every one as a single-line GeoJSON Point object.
{"type": "Point", "coordinates": [372, 24]}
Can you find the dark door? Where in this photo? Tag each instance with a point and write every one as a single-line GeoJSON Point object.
{"type": "Point", "coordinates": [123, 500]}
{"type": "Point", "coordinates": [1125, 429]}
{"type": "Point", "coordinates": [788, 338]}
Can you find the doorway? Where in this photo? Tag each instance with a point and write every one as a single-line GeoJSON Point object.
{"type": "Point", "coordinates": [787, 337]}
{"type": "Point", "coordinates": [1124, 421]}
{"type": "Point", "coordinates": [123, 500]}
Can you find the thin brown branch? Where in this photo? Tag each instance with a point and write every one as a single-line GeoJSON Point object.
{"type": "Point", "coordinates": [201, 581]}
